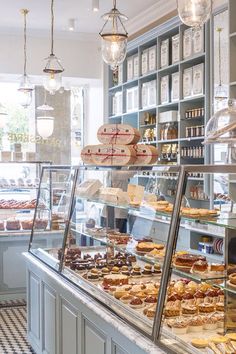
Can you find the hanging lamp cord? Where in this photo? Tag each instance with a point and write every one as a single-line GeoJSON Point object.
{"type": "Point", "coordinates": [52, 26]}
{"type": "Point", "coordinates": [25, 12]}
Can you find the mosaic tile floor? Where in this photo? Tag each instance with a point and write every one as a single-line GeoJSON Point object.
{"type": "Point", "coordinates": [13, 329]}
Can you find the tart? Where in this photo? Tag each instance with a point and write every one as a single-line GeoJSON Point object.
{"type": "Point", "coordinates": [231, 336]}
{"type": "Point", "coordinates": [115, 279]}
{"type": "Point", "coordinates": [206, 308]}
{"type": "Point", "coordinates": [126, 298]}
{"type": "Point", "coordinates": [148, 246]}
{"type": "Point", "coordinates": [232, 278]}
{"type": "Point", "coordinates": [195, 324]}
{"type": "Point", "coordinates": [147, 270]}
{"type": "Point", "coordinates": [137, 288]}
{"type": "Point", "coordinates": [189, 310]}
{"type": "Point", "coordinates": [136, 303]}
{"type": "Point", "coordinates": [119, 293]}
{"type": "Point", "coordinates": [174, 297]}
{"type": "Point", "coordinates": [204, 287]}
{"type": "Point", "coordinates": [150, 299]}
{"type": "Point", "coordinates": [141, 295]}
{"type": "Point", "coordinates": [199, 343]}
{"type": "Point", "coordinates": [219, 339]}
{"type": "Point", "coordinates": [199, 267]}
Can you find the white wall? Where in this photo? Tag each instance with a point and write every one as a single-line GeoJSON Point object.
{"type": "Point", "coordinates": [80, 57]}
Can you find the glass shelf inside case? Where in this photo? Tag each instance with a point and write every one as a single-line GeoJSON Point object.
{"type": "Point", "coordinates": [51, 213]}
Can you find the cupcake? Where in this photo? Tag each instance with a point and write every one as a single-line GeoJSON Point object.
{"type": "Point", "coordinates": [136, 303]}
{"type": "Point", "coordinates": [147, 270]}
{"type": "Point", "coordinates": [195, 324]}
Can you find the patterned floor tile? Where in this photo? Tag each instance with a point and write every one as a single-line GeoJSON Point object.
{"type": "Point", "coordinates": [13, 330]}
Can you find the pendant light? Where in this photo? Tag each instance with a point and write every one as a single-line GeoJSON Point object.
{"type": "Point", "coordinates": [45, 123]}
{"type": "Point", "coordinates": [194, 13]}
{"type": "Point", "coordinates": [220, 92]}
{"type": "Point", "coordinates": [25, 90]}
{"type": "Point", "coordinates": [53, 68]}
{"type": "Point", "coordinates": [114, 37]}
{"type": "Point", "coordinates": [221, 128]}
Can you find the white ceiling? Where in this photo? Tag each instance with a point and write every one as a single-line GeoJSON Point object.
{"type": "Point", "coordinates": [87, 20]}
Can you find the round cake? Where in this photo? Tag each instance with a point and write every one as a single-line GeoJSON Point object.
{"type": "Point", "coordinates": [115, 279]}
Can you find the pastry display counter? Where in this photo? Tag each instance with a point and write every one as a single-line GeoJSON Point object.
{"type": "Point", "coordinates": [162, 266]}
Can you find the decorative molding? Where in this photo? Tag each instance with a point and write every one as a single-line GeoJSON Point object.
{"type": "Point", "coordinates": [150, 15]}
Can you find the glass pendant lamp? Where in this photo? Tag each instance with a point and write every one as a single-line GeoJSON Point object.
{"type": "Point", "coordinates": [45, 123]}
{"type": "Point", "coordinates": [221, 128]}
{"type": "Point", "coordinates": [53, 69]}
{"type": "Point", "coordinates": [194, 13]}
{"type": "Point", "coordinates": [26, 88]}
{"type": "Point", "coordinates": [114, 37]}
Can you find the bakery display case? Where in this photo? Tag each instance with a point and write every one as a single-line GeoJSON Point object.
{"type": "Point", "coordinates": [154, 259]}
{"type": "Point", "coordinates": [19, 184]}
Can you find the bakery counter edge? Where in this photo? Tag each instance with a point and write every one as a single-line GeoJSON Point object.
{"type": "Point", "coordinates": [68, 303]}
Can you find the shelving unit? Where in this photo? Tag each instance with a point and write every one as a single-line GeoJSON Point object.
{"type": "Point", "coordinates": [153, 39]}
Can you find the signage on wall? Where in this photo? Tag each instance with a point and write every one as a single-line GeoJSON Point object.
{"type": "Point", "coordinates": [27, 138]}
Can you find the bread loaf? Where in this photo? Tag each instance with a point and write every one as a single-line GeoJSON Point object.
{"type": "Point", "coordinates": [113, 155]}
{"type": "Point", "coordinates": [122, 134]}
{"type": "Point", "coordinates": [145, 154]}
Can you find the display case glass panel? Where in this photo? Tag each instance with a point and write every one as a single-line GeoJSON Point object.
{"type": "Point", "coordinates": [197, 289]}
{"type": "Point", "coordinates": [51, 214]}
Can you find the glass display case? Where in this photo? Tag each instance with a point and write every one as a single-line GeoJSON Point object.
{"type": "Point", "coordinates": [162, 261]}
{"type": "Point", "coordinates": [19, 184]}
